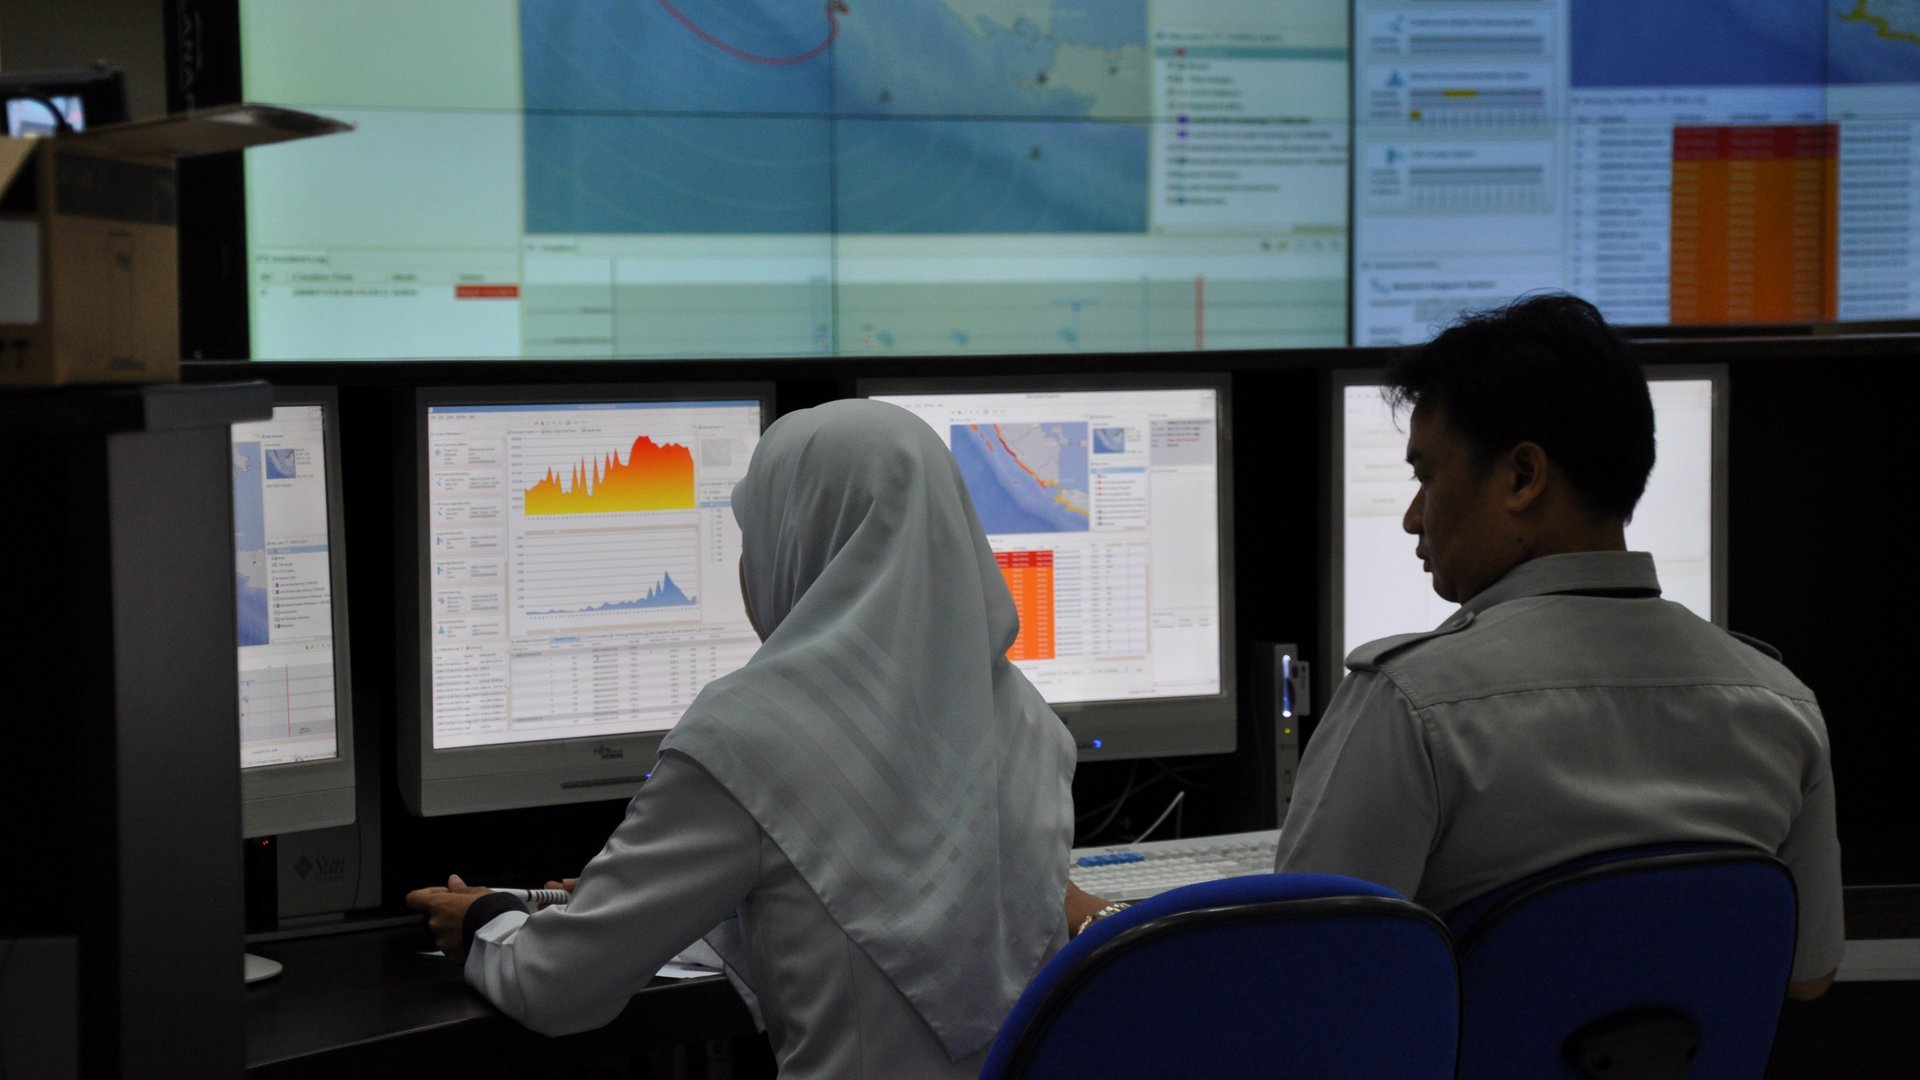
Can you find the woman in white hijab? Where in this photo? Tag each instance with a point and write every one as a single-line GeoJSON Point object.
{"type": "Point", "coordinates": [875, 810]}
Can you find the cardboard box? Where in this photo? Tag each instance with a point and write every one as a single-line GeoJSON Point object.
{"type": "Point", "coordinates": [89, 275]}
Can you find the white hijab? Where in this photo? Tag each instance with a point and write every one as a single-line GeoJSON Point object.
{"type": "Point", "coordinates": [880, 736]}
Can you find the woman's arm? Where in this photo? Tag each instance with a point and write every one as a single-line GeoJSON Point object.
{"type": "Point", "coordinates": [682, 861]}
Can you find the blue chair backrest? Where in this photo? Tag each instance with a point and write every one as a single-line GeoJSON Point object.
{"type": "Point", "coordinates": [1611, 949]}
{"type": "Point", "coordinates": [1271, 975]}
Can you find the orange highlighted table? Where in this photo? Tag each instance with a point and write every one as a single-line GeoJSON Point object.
{"type": "Point", "coordinates": [1029, 577]}
{"type": "Point", "coordinates": [1755, 214]}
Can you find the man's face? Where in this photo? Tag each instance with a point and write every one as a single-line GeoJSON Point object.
{"type": "Point", "coordinates": [1466, 537]}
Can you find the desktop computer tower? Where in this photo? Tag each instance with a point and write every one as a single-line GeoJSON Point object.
{"type": "Point", "coordinates": [1281, 697]}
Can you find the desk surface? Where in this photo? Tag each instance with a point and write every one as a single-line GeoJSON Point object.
{"type": "Point", "coordinates": [368, 1004]}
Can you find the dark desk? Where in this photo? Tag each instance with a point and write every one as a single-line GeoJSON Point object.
{"type": "Point", "coordinates": [368, 1004]}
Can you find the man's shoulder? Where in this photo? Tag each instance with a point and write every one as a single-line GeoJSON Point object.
{"type": "Point", "coordinates": [1374, 655]}
{"type": "Point", "coordinates": [1544, 641]}
{"type": "Point", "coordinates": [1757, 645]}
{"type": "Point", "coordinates": [1767, 665]}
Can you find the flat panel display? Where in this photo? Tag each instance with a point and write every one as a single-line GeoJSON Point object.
{"type": "Point", "coordinates": [28, 117]}
{"type": "Point", "coordinates": [290, 614]}
{"type": "Point", "coordinates": [579, 585]}
{"type": "Point", "coordinates": [1107, 511]}
{"type": "Point", "coordinates": [645, 178]}
{"type": "Point", "coordinates": [41, 103]}
{"type": "Point", "coordinates": [1720, 162]}
{"type": "Point", "coordinates": [1380, 588]}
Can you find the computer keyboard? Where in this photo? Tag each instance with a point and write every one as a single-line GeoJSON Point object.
{"type": "Point", "coordinates": [1137, 871]}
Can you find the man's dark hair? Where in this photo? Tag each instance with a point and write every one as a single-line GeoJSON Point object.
{"type": "Point", "coordinates": [1545, 369]}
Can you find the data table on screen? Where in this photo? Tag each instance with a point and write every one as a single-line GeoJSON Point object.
{"type": "Point", "coordinates": [1721, 162]}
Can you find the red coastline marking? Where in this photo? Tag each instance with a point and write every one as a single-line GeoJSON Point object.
{"type": "Point", "coordinates": [1016, 457]}
{"type": "Point", "coordinates": [834, 8]}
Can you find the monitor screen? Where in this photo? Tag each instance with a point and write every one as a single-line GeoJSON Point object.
{"type": "Point", "coordinates": [1714, 162]}
{"type": "Point", "coordinates": [1107, 510]}
{"type": "Point", "coordinates": [37, 103]}
{"type": "Point", "coordinates": [290, 615]}
{"type": "Point", "coordinates": [32, 116]}
{"type": "Point", "coordinates": [1381, 589]}
{"type": "Point", "coordinates": [592, 178]}
{"type": "Point", "coordinates": [580, 585]}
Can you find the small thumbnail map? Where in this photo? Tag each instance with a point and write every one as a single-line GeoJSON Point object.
{"type": "Point", "coordinates": [283, 463]}
{"type": "Point", "coordinates": [1874, 41]}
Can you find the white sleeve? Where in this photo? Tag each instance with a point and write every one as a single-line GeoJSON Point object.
{"type": "Point", "coordinates": [1812, 851]}
{"type": "Point", "coordinates": [1366, 804]}
{"type": "Point", "coordinates": [683, 860]}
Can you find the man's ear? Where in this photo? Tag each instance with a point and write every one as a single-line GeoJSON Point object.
{"type": "Point", "coordinates": [1529, 472]}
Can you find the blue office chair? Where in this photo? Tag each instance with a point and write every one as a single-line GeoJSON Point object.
{"type": "Point", "coordinates": [1642, 964]}
{"type": "Point", "coordinates": [1272, 975]}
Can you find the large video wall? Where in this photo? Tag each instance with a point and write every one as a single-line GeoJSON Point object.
{"type": "Point", "coordinates": [704, 178]}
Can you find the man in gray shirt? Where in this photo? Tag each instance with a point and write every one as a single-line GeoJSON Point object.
{"type": "Point", "coordinates": [1565, 709]}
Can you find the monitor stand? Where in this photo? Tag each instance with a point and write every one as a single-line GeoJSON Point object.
{"type": "Point", "coordinates": [259, 968]}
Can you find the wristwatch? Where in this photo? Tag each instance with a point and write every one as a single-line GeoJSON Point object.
{"type": "Point", "coordinates": [1111, 909]}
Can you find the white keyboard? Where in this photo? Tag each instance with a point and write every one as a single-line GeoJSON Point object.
{"type": "Point", "coordinates": [1137, 871]}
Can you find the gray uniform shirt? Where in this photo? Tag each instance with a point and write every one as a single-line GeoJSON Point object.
{"type": "Point", "coordinates": [686, 858]}
{"type": "Point", "coordinates": [1566, 710]}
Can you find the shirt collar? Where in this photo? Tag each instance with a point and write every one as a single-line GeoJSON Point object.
{"type": "Point", "coordinates": [1584, 571]}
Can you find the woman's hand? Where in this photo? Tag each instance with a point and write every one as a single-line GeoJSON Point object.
{"type": "Point", "coordinates": [1081, 906]}
{"type": "Point", "coordinates": [446, 910]}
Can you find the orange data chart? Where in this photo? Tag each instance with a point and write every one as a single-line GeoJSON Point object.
{"type": "Point", "coordinates": [1755, 223]}
{"type": "Point", "coordinates": [1029, 577]}
{"type": "Point", "coordinates": [654, 477]}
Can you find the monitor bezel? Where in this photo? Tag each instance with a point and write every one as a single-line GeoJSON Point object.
{"type": "Point", "coordinates": [303, 795]}
{"type": "Point", "coordinates": [1333, 646]}
{"type": "Point", "coordinates": [1161, 727]}
{"type": "Point", "coordinates": [513, 775]}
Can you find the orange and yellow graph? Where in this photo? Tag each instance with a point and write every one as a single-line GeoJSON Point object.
{"type": "Point", "coordinates": [655, 476]}
{"type": "Point", "coordinates": [1029, 577]}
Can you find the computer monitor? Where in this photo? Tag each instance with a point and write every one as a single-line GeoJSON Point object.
{"type": "Point", "coordinates": [1378, 587]}
{"type": "Point", "coordinates": [50, 102]}
{"type": "Point", "coordinates": [290, 607]}
{"type": "Point", "coordinates": [1108, 504]}
{"type": "Point", "coordinates": [1714, 162]}
{"type": "Point", "coordinates": [577, 561]}
{"type": "Point", "coordinates": [602, 178]}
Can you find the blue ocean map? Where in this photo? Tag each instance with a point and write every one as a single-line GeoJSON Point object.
{"type": "Point", "coordinates": [283, 463]}
{"type": "Point", "coordinates": [249, 545]}
{"type": "Point", "coordinates": [1620, 43]}
{"type": "Point", "coordinates": [1025, 478]}
{"type": "Point", "coordinates": [849, 116]}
